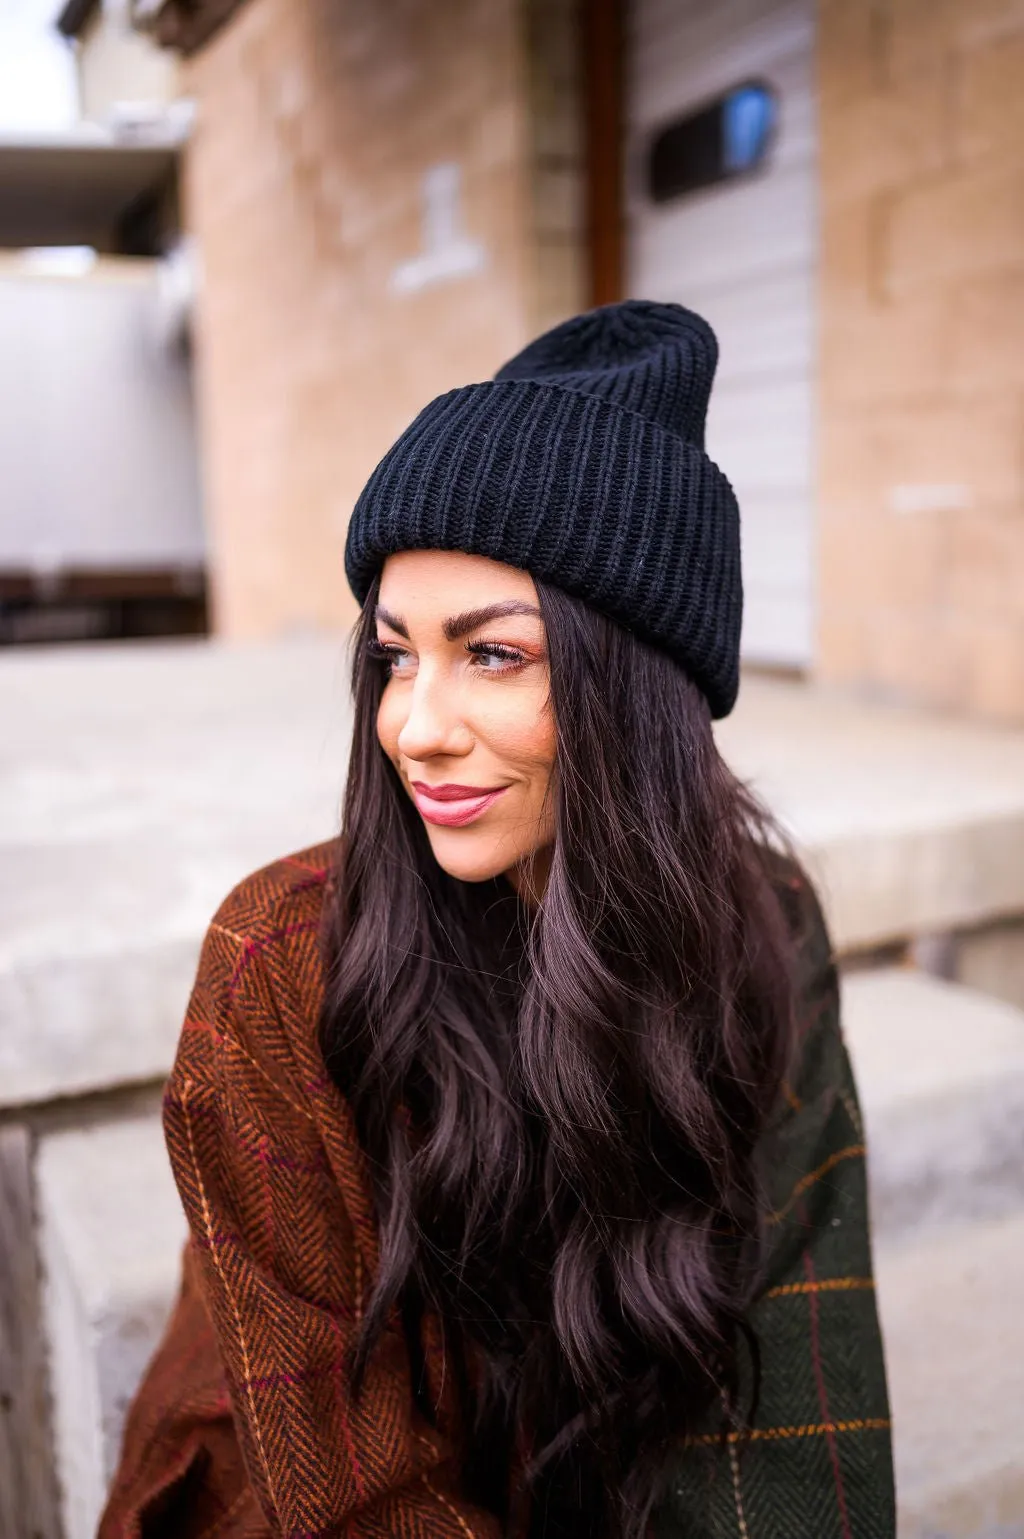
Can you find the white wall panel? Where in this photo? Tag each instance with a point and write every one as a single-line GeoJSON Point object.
{"type": "Point", "coordinates": [689, 52]}
{"type": "Point", "coordinates": [760, 434]}
{"type": "Point", "coordinates": [744, 255]}
{"type": "Point", "coordinates": [776, 529]}
{"type": "Point", "coordinates": [783, 57]}
{"type": "Point", "coordinates": [728, 235]}
{"type": "Point", "coordinates": [764, 329]}
{"type": "Point", "coordinates": [97, 440]}
{"type": "Point", "coordinates": [782, 621]}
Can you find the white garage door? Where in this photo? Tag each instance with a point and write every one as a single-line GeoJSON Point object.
{"type": "Point", "coordinates": [743, 254]}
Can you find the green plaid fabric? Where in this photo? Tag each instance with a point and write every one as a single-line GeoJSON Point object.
{"type": "Point", "coordinates": [817, 1460]}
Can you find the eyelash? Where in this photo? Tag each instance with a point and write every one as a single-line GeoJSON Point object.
{"type": "Point", "coordinates": [496, 649]}
{"type": "Point", "coordinates": [386, 652]}
{"type": "Point", "coordinates": [378, 651]}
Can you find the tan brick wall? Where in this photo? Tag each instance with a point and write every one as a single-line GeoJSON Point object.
{"type": "Point", "coordinates": [316, 124]}
{"type": "Point", "coordinates": [555, 154]}
{"type": "Point", "coordinates": [921, 559]}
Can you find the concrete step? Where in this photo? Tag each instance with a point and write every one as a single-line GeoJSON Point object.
{"type": "Point", "coordinates": [941, 1075]}
{"type": "Point", "coordinates": [138, 784]}
{"type": "Point", "coordinates": [912, 823]}
{"type": "Point", "coordinates": [111, 1233]}
{"type": "Point", "coordinates": [950, 1302]}
{"type": "Point", "coordinates": [940, 1071]}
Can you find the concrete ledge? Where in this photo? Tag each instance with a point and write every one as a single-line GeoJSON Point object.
{"type": "Point", "coordinates": [112, 1230]}
{"type": "Point", "coordinates": [28, 1491]}
{"type": "Point", "coordinates": [954, 1338]}
{"type": "Point", "coordinates": [992, 961]}
{"type": "Point", "coordinates": [913, 823]}
{"type": "Point", "coordinates": [97, 1021]}
{"type": "Point", "coordinates": [940, 1070]}
{"type": "Point", "coordinates": [138, 784]}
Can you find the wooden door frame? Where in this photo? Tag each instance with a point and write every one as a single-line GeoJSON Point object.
{"type": "Point", "coordinates": [602, 31]}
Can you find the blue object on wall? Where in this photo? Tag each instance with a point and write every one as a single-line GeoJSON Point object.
{"type": "Point", "coordinates": [725, 138]}
{"type": "Point", "coordinates": [748, 117]}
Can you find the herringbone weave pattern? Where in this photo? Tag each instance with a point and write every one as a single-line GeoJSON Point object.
{"type": "Point", "coordinates": [244, 1425]}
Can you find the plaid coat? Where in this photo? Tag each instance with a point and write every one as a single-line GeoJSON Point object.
{"type": "Point", "coordinates": [244, 1425]}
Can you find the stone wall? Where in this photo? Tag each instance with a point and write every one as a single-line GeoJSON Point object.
{"type": "Point", "coordinates": [921, 576]}
{"type": "Point", "coordinates": [324, 322]}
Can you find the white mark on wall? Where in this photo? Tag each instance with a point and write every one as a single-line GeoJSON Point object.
{"type": "Point", "coordinates": [448, 252]}
{"type": "Point", "coordinates": [930, 497]}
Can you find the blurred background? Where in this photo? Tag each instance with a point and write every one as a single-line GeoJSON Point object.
{"type": "Point", "coordinates": [241, 243]}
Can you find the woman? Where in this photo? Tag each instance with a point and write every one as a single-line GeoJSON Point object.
{"type": "Point", "coordinates": [515, 1131]}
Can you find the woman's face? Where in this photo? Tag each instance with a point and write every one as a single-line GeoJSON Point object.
{"type": "Point", "coordinates": [465, 717]}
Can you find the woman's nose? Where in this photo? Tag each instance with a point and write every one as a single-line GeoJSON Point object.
{"type": "Point", "coordinates": [433, 725]}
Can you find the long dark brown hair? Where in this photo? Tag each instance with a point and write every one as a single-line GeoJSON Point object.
{"type": "Point", "coordinates": [561, 1107]}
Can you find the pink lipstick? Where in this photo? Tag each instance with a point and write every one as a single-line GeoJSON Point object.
{"type": "Point", "coordinates": [452, 806]}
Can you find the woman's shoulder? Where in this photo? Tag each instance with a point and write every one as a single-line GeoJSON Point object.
{"type": "Point", "coordinates": [259, 984]}
{"type": "Point", "coordinates": [805, 920]}
{"type": "Point", "coordinates": [280, 899]}
{"type": "Point", "coordinates": [794, 889]}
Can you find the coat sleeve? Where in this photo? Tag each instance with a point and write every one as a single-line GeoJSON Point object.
{"type": "Point", "coordinates": [281, 1275]}
{"type": "Point", "coordinates": [817, 1460]}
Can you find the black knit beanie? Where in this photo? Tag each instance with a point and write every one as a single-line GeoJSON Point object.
{"type": "Point", "coordinates": [583, 463]}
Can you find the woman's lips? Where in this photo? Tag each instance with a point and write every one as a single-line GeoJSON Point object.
{"type": "Point", "coordinates": [451, 806]}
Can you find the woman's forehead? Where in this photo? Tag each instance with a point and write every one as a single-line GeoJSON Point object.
{"type": "Point", "coordinates": [433, 583]}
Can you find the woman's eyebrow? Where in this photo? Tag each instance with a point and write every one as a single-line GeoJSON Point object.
{"type": "Point", "coordinates": [461, 625]}
{"type": "Point", "coordinates": [393, 622]}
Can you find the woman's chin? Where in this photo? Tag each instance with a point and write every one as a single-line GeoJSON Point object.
{"type": "Point", "coordinates": [469, 857]}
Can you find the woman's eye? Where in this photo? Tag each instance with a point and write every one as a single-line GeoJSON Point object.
{"type": "Point", "coordinates": [495, 657]}
{"type": "Point", "coordinates": [396, 659]}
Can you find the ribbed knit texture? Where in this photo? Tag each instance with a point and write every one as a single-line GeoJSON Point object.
{"type": "Point", "coordinates": [583, 463]}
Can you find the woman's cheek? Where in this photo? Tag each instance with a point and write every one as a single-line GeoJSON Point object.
{"type": "Point", "coordinates": [520, 728]}
{"type": "Point", "coordinates": [389, 723]}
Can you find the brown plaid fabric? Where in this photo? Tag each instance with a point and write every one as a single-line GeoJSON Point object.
{"type": "Point", "coordinates": [244, 1424]}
